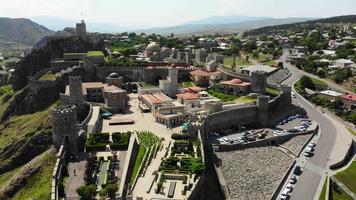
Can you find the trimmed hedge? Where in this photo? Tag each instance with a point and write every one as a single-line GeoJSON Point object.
{"type": "Point", "coordinates": [97, 142]}
{"type": "Point", "coordinates": [177, 136]}
{"type": "Point", "coordinates": [120, 141]}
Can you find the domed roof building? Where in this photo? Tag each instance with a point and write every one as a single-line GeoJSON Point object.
{"type": "Point", "coordinates": [152, 48]}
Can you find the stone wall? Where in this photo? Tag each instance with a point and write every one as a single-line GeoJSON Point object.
{"type": "Point", "coordinates": [57, 172]}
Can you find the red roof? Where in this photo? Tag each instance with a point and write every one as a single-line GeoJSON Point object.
{"type": "Point", "coordinates": [349, 97]}
{"type": "Point", "coordinates": [236, 82]}
{"type": "Point", "coordinates": [199, 73]}
{"type": "Point", "coordinates": [188, 95]}
{"type": "Point", "coordinates": [194, 89]}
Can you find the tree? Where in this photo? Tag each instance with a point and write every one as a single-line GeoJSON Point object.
{"type": "Point", "coordinates": [247, 58]}
{"type": "Point", "coordinates": [306, 82]}
{"type": "Point", "coordinates": [111, 189]}
{"type": "Point", "coordinates": [87, 192]}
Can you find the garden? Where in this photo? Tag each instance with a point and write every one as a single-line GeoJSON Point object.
{"type": "Point", "coordinates": [98, 142]}
{"type": "Point", "coordinates": [221, 95]}
{"type": "Point", "coordinates": [149, 145]}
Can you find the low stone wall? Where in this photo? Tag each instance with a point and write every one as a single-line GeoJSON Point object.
{"type": "Point", "coordinates": [57, 172]}
{"type": "Point", "coordinates": [128, 167]}
{"type": "Point", "coordinates": [84, 123]}
{"type": "Point", "coordinates": [348, 156]}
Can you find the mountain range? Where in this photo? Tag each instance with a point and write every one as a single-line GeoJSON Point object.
{"type": "Point", "coordinates": [21, 32]}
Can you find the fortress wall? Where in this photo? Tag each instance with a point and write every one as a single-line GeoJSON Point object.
{"type": "Point", "coordinates": [63, 65]}
{"type": "Point", "coordinates": [57, 172]}
{"type": "Point", "coordinates": [232, 117]}
{"type": "Point", "coordinates": [36, 85]}
{"type": "Point", "coordinates": [131, 73]}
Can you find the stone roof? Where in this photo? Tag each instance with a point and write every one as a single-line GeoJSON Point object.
{"type": "Point", "coordinates": [199, 72]}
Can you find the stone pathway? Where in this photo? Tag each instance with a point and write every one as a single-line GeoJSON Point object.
{"type": "Point", "coordinates": [76, 180]}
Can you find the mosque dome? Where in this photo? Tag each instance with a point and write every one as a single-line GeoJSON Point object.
{"type": "Point", "coordinates": [114, 75]}
{"type": "Point", "coordinates": [153, 47]}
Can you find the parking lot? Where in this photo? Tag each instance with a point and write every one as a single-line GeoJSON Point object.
{"type": "Point", "coordinates": [290, 125]}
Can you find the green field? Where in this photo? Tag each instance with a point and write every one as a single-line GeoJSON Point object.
{"type": "Point", "coordinates": [266, 59]}
{"type": "Point", "coordinates": [339, 193]}
{"type": "Point", "coordinates": [239, 61]}
{"type": "Point", "coordinates": [188, 84]}
{"type": "Point", "coordinates": [95, 54]}
{"type": "Point", "coordinates": [4, 178]}
{"type": "Point", "coordinates": [139, 158]}
{"type": "Point", "coordinates": [348, 177]}
{"type": "Point", "coordinates": [48, 77]}
{"type": "Point", "coordinates": [318, 82]}
{"type": "Point", "coordinates": [352, 131]}
{"type": "Point", "coordinates": [247, 99]}
{"type": "Point", "coordinates": [273, 91]}
{"type": "Point", "coordinates": [323, 191]}
{"type": "Point", "coordinates": [222, 96]}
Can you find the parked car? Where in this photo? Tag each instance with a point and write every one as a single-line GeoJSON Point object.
{"type": "Point", "coordinates": [312, 144]}
{"type": "Point", "coordinates": [293, 180]}
{"type": "Point", "coordinates": [297, 170]}
{"type": "Point", "coordinates": [284, 194]}
{"type": "Point", "coordinates": [289, 187]}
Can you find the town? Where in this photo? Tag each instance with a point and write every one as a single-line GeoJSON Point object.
{"type": "Point", "coordinates": [267, 114]}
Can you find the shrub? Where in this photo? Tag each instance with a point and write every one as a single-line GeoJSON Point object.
{"type": "Point", "coordinates": [87, 192]}
{"type": "Point", "coordinates": [177, 136]}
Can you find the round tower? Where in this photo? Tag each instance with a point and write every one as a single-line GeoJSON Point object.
{"type": "Point", "coordinates": [286, 95]}
{"type": "Point", "coordinates": [64, 127]}
{"type": "Point", "coordinates": [75, 89]}
{"type": "Point", "coordinates": [259, 81]}
{"type": "Point", "coordinates": [262, 104]}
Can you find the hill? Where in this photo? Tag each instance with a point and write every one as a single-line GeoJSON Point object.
{"type": "Point", "coordinates": [21, 32]}
{"type": "Point", "coordinates": [227, 19]}
{"type": "Point", "coordinates": [222, 28]}
{"type": "Point", "coordinates": [306, 25]}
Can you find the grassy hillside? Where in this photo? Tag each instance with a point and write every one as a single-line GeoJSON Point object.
{"type": "Point", "coordinates": [31, 181]}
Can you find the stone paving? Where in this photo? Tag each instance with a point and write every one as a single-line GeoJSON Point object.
{"type": "Point", "coordinates": [296, 143]}
{"type": "Point", "coordinates": [254, 173]}
{"type": "Point", "coordinates": [75, 180]}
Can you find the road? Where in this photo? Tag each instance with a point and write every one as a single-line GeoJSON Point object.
{"type": "Point", "coordinates": [316, 166]}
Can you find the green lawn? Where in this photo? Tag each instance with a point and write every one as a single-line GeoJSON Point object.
{"type": "Point", "coordinates": [348, 177]}
{"type": "Point", "coordinates": [266, 59]}
{"type": "Point", "coordinates": [38, 186]}
{"type": "Point", "coordinates": [48, 77]}
{"type": "Point", "coordinates": [188, 84]}
{"type": "Point", "coordinates": [340, 194]}
{"type": "Point", "coordinates": [222, 96]}
{"type": "Point", "coordinates": [239, 61]}
{"type": "Point", "coordinates": [318, 82]}
{"type": "Point", "coordinates": [323, 191]}
{"type": "Point", "coordinates": [352, 131]}
{"type": "Point", "coordinates": [139, 158]}
{"type": "Point", "coordinates": [247, 99]}
{"type": "Point", "coordinates": [95, 54]}
{"type": "Point", "coordinates": [273, 91]}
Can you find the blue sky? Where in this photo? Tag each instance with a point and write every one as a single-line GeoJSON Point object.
{"type": "Point", "coordinates": [153, 13]}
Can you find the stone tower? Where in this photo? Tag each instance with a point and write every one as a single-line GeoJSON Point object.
{"type": "Point", "coordinates": [173, 80]}
{"type": "Point", "coordinates": [262, 104]}
{"type": "Point", "coordinates": [75, 89]}
{"type": "Point", "coordinates": [64, 127]}
{"type": "Point", "coordinates": [286, 95]}
{"type": "Point", "coordinates": [259, 81]}
{"type": "Point", "coordinates": [81, 28]}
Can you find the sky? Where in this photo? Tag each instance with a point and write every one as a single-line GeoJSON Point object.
{"type": "Point", "coordinates": [159, 13]}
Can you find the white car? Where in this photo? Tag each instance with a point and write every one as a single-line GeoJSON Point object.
{"type": "Point", "coordinates": [289, 187]}
{"type": "Point", "coordinates": [285, 194]}
{"type": "Point", "coordinates": [312, 144]}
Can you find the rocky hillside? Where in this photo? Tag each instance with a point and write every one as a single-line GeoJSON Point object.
{"type": "Point", "coordinates": [21, 31]}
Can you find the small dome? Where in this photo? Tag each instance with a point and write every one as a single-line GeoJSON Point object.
{"type": "Point", "coordinates": [114, 75]}
{"type": "Point", "coordinates": [153, 47]}
{"type": "Point", "coordinates": [236, 81]}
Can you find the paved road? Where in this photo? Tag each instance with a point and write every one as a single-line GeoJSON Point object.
{"type": "Point", "coordinates": [315, 166]}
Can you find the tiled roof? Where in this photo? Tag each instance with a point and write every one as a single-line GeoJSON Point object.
{"type": "Point", "coordinates": [350, 97]}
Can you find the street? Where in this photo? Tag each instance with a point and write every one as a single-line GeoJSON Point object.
{"type": "Point", "coordinates": [316, 166]}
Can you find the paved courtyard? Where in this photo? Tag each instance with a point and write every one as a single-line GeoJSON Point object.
{"type": "Point", "coordinates": [145, 122]}
{"type": "Point", "coordinates": [75, 179]}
